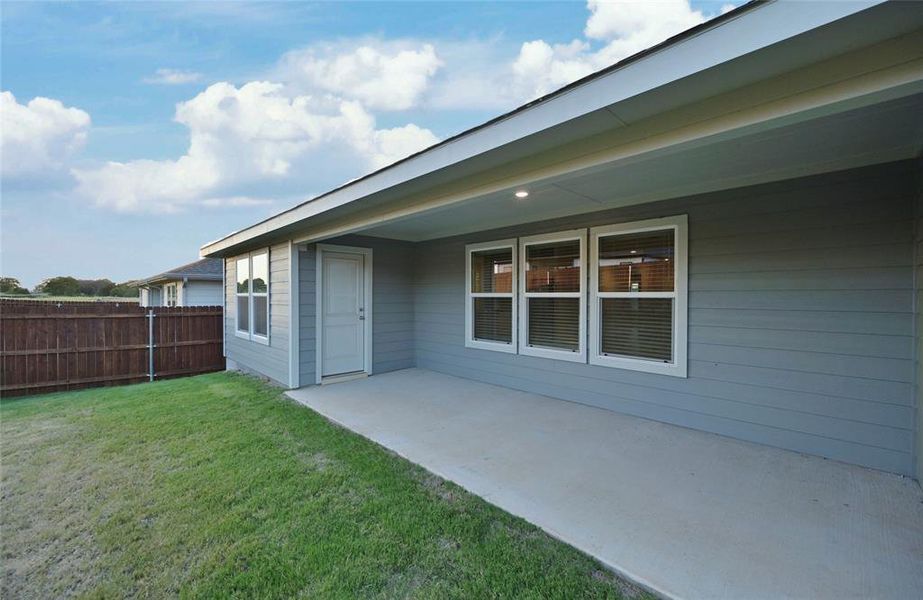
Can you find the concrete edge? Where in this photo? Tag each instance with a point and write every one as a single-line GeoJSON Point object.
{"type": "Point", "coordinates": [626, 574]}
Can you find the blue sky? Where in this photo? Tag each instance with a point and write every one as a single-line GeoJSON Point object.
{"type": "Point", "coordinates": [135, 132]}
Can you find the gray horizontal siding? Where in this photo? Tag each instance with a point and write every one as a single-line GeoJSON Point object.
{"type": "Point", "coordinates": [918, 346]}
{"type": "Point", "coordinates": [801, 316]}
{"type": "Point", "coordinates": [202, 293]}
{"type": "Point", "coordinates": [392, 305]}
{"type": "Point", "coordinates": [392, 301]}
{"type": "Point", "coordinates": [272, 360]}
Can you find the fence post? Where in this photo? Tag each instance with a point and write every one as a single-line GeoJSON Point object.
{"type": "Point", "coordinates": [150, 343]}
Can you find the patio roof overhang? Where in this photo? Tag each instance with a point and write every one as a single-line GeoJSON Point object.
{"type": "Point", "coordinates": [732, 105]}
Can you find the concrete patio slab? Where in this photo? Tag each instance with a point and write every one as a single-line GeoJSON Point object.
{"type": "Point", "coordinates": [684, 513]}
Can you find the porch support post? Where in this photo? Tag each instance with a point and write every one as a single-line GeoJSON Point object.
{"type": "Point", "coordinates": [294, 307]}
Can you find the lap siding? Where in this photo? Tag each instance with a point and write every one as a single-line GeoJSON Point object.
{"type": "Point", "coordinates": [270, 361]}
{"type": "Point", "coordinates": [801, 313]}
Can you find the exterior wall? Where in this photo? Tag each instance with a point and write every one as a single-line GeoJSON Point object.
{"type": "Point", "coordinates": [272, 360]}
{"type": "Point", "coordinates": [392, 305]}
{"type": "Point", "coordinates": [202, 293]}
{"type": "Point", "coordinates": [918, 288]}
{"type": "Point", "coordinates": [307, 324]}
{"type": "Point", "coordinates": [801, 328]}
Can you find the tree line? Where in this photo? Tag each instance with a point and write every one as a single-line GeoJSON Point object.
{"type": "Point", "coordinates": [70, 286]}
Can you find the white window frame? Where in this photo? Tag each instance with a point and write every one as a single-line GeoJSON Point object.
{"type": "Point", "coordinates": [470, 342]}
{"type": "Point", "coordinates": [250, 294]}
{"type": "Point", "coordinates": [678, 366]}
{"type": "Point", "coordinates": [169, 290]}
{"type": "Point", "coordinates": [543, 352]}
{"type": "Point", "coordinates": [237, 294]}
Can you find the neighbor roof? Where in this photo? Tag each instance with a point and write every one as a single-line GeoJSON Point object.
{"type": "Point", "coordinates": [208, 269]}
{"type": "Point", "coordinates": [771, 24]}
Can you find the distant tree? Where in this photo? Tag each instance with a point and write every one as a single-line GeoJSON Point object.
{"type": "Point", "coordinates": [11, 285]}
{"type": "Point", "coordinates": [95, 287]}
{"type": "Point", "coordinates": [59, 286]}
{"type": "Point", "coordinates": [125, 290]}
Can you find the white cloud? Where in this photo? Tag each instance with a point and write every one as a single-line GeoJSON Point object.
{"type": "Point", "coordinates": [172, 77]}
{"type": "Point", "coordinates": [39, 136]}
{"type": "Point", "coordinates": [382, 75]}
{"type": "Point", "coordinates": [639, 24]}
{"type": "Point", "coordinates": [316, 127]}
{"type": "Point", "coordinates": [256, 133]}
{"type": "Point", "coordinates": [474, 77]}
{"type": "Point", "coordinates": [541, 67]}
{"type": "Point", "coordinates": [625, 28]}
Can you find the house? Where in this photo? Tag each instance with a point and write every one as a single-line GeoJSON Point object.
{"type": "Point", "coordinates": [198, 283]}
{"type": "Point", "coordinates": [722, 232]}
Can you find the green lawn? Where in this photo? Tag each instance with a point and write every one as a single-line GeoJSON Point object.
{"type": "Point", "coordinates": [217, 486]}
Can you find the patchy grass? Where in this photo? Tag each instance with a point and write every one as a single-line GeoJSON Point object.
{"type": "Point", "coordinates": [218, 486]}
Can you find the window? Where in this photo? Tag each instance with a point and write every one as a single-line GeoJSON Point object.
{"type": "Point", "coordinates": [259, 293]}
{"type": "Point", "coordinates": [170, 294]}
{"type": "Point", "coordinates": [553, 296]}
{"type": "Point", "coordinates": [253, 296]}
{"type": "Point", "coordinates": [638, 296]}
{"type": "Point", "coordinates": [490, 313]}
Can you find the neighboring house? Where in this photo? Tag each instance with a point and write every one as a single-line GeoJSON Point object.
{"type": "Point", "coordinates": [722, 232]}
{"type": "Point", "coordinates": [198, 283]}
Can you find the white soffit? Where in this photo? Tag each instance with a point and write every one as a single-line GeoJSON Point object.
{"type": "Point", "coordinates": [870, 135]}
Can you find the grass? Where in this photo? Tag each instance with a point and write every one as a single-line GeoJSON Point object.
{"type": "Point", "coordinates": [218, 486]}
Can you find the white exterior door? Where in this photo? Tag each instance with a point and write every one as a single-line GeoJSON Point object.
{"type": "Point", "coordinates": [343, 313]}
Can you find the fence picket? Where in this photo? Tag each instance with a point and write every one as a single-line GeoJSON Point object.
{"type": "Point", "coordinates": [54, 346]}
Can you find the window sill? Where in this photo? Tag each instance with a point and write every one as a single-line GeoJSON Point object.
{"type": "Point", "coordinates": [493, 346]}
{"type": "Point", "coordinates": [579, 357]}
{"type": "Point", "coordinates": [645, 366]}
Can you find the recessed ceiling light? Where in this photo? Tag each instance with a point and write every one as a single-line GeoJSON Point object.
{"type": "Point", "coordinates": [634, 251]}
{"type": "Point", "coordinates": [522, 194]}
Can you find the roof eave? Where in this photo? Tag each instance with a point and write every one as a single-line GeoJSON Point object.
{"type": "Point", "coordinates": [756, 29]}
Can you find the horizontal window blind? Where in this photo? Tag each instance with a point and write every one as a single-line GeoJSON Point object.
{"type": "Point", "coordinates": [637, 295]}
{"type": "Point", "coordinates": [637, 327]}
{"type": "Point", "coordinates": [490, 309]}
{"type": "Point", "coordinates": [554, 323]}
{"type": "Point", "coordinates": [636, 262]}
{"type": "Point", "coordinates": [553, 295]}
{"type": "Point", "coordinates": [492, 271]}
{"type": "Point", "coordinates": [493, 319]}
{"type": "Point", "coordinates": [553, 267]}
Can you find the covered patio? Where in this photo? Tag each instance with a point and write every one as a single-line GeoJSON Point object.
{"type": "Point", "coordinates": [684, 513]}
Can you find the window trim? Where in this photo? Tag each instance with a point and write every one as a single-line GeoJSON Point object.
{"type": "Point", "coordinates": [243, 333]}
{"type": "Point", "coordinates": [167, 288]}
{"type": "Point", "coordinates": [679, 365]}
{"type": "Point", "coordinates": [470, 342]}
{"type": "Point", "coordinates": [248, 334]}
{"type": "Point", "coordinates": [559, 236]}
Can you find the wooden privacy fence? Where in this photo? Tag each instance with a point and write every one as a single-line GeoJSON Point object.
{"type": "Point", "coordinates": [53, 346]}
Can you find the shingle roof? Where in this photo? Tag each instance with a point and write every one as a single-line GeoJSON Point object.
{"type": "Point", "coordinates": [203, 269]}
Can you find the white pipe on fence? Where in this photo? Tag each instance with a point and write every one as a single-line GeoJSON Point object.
{"type": "Point", "coordinates": [150, 344]}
